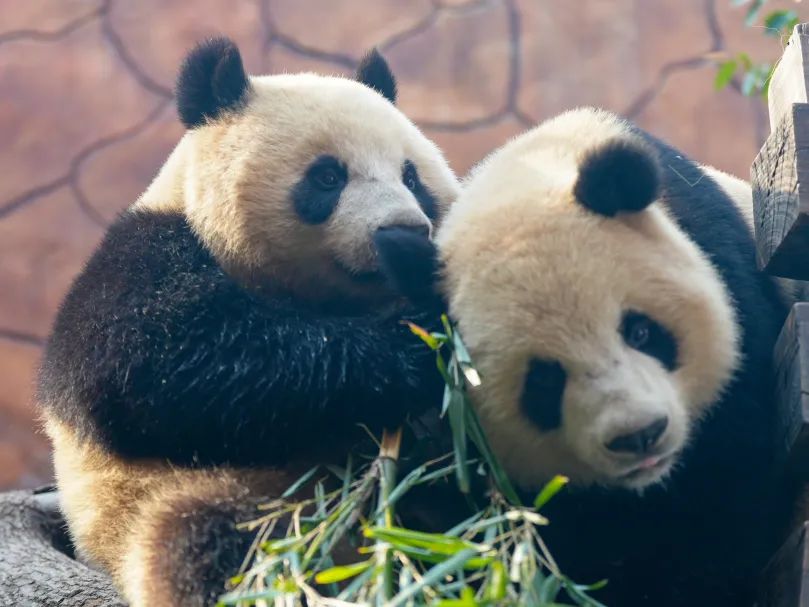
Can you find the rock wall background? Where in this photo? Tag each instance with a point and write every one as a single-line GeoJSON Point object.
{"type": "Point", "coordinates": [86, 114]}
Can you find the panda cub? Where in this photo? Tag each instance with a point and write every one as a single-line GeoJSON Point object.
{"type": "Point", "coordinates": [606, 287]}
{"type": "Point", "coordinates": [234, 325]}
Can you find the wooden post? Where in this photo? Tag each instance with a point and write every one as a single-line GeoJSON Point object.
{"type": "Point", "coordinates": [786, 572]}
{"type": "Point", "coordinates": [780, 181]}
{"type": "Point", "coordinates": [791, 359]}
{"type": "Point", "coordinates": [780, 172]}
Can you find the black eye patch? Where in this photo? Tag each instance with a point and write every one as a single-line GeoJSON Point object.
{"type": "Point", "coordinates": [412, 181]}
{"type": "Point", "coordinates": [316, 195]}
{"type": "Point", "coordinates": [542, 392]}
{"type": "Point", "coordinates": [645, 335]}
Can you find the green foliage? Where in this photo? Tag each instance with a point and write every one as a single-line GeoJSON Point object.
{"type": "Point", "coordinates": [496, 557]}
{"type": "Point", "coordinates": [753, 78]}
{"type": "Point", "coordinates": [778, 23]}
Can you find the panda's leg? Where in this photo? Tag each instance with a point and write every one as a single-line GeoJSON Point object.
{"type": "Point", "coordinates": [186, 545]}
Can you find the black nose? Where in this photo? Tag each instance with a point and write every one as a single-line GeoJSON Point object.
{"type": "Point", "coordinates": [640, 441]}
{"type": "Point", "coordinates": [420, 229]}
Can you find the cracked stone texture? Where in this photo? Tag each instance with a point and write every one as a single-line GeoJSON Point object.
{"type": "Point", "coordinates": [86, 111]}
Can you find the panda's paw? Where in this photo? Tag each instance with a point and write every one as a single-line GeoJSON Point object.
{"type": "Point", "coordinates": [186, 547]}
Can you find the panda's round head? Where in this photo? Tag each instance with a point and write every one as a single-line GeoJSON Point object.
{"type": "Point", "coordinates": [601, 331]}
{"type": "Point", "coordinates": [287, 178]}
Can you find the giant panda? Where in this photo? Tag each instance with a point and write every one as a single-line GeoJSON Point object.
{"type": "Point", "coordinates": [234, 326]}
{"type": "Point", "coordinates": [606, 287]}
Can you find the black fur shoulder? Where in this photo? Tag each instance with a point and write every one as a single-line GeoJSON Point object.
{"type": "Point", "coordinates": [156, 352]}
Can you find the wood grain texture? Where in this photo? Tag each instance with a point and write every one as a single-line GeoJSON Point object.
{"type": "Point", "coordinates": [783, 581]}
{"type": "Point", "coordinates": [789, 80]}
{"type": "Point", "coordinates": [792, 392]}
{"type": "Point", "coordinates": [36, 568]}
{"type": "Point", "coordinates": [781, 213]}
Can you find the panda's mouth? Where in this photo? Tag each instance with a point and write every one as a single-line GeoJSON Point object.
{"type": "Point", "coordinates": [365, 277]}
{"type": "Point", "coordinates": [648, 470]}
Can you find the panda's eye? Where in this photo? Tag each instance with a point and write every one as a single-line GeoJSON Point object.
{"type": "Point", "coordinates": [645, 335]}
{"type": "Point", "coordinates": [542, 393]}
{"type": "Point", "coordinates": [327, 174]}
{"type": "Point", "coordinates": [327, 178]}
{"type": "Point", "coordinates": [410, 177]}
{"type": "Point", "coordinates": [637, 333]}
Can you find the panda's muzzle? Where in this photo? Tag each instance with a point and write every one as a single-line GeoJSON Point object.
{"type": "Point", "coordinates": [408, 259]}
{"type": "Point", "coordinates": [641, 441]}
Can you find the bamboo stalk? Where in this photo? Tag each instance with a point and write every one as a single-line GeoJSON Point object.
{"type": "Point", "coordinates": [388, 460]}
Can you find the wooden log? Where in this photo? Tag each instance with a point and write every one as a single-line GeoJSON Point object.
{"type": "Point", "coordinates": [783, 579]}
{"type": "Point", "coordinates": [792, 392]}
{"type": "Point", "coordinates": [788, 84]}
{"type": "Point", "coordinates": [780, 172]}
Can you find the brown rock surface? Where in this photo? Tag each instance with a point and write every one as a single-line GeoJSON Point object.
{"type": "Point", "coordinates": [345, 28]}
{"type": "Point", "coordinates": [468, 146]}
{"type": "Point", "coordinates": [42, 18]}
{"type": "Point", "coordinates": [86, 116]}
{"type": "Point", "coordinates": [133, 159]}
{"type": "Point", "coordinates": [719, 128]}
{"type": "Point", "coordinates": [457, 69]}
{"type": "Point", "coordinates": [60, 100]}
{"type": "Point", "coordinates": [43, 246]}
{"type": "Point", "coordinates": [154, 35]}
{"type": "Point", "coordinates": [24, 458]}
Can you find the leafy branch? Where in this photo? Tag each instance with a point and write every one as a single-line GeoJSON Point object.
{"type": "Point", "coordinates": [749, 76]}
{"type": "Point", "coordinates": [305, 538]}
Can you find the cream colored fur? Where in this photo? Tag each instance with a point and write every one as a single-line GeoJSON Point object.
{"type": "Point", "coordinates": [119, 512]}
{"type": "Point", "coordinates": [233, 179]}
{"type": "Point", "coordinates": [531, 273]}
{"type": "Point", "coordinates": [738, 191]}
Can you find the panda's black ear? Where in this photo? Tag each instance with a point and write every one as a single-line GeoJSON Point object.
{"type": "Point", "coordinates": [374, 72]}
{"type": "Point", "coordinates": [212, 80]}
{"type": "Point", "coordinates": [621, 176]}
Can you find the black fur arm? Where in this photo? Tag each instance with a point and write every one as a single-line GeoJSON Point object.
{"type": "Point", "coordinates": [157, 352]}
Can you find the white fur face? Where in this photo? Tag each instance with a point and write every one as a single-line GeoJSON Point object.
{"type": "Point", "coordinates": [240, 174]}
{"type": "Point", "coordinates": [534, 278]}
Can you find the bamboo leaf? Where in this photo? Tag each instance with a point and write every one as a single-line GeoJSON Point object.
{"type": "Point", "coordinates": [436, 542]}
{"type": "Point", "coordinates": [467, 600]}
{"type": "Point", "coordinates": [442, 369]}
{"type": "Point", "coordinates": [577, 593]}
{"type": "Point", "coordinates": [448, 395]}
{"type": "Point", "coordinates": [550, 489]}
{"type": "Point", "coordinates": [725, 74]}
{"type": "Point", "coordinates": [464, 525]}
{"type": "Point", "coordinates": [359, 581]}
{"type": "Point", "coordinates": [299, 483]}
{"type": "Point", "coordinates": [424, 335]}
{"type": "Point", "coordinates": [447, 325]}
{"type": "Point", "coordinates": [281, 545]}
{"type": "Point", "coordinates": [409, 481]}
{"type": "Point", "coordinates": [457, 422]}
{"type": "Point", "coordinates": [549, 589]}
{"type": "Point", "coordinates": [753, 11]}
{"type": "Point", "coordinates": [479, 439]}
{"type": "Point", "coordinates": [749, 83]}
{"type": "Point", "coordinates": [498, 580]}
{"type": "Point", "coordinates": [341, 573]}
{"type": "Point", "coordinates": [778, 22]}
{"type": "Point", "coordinates": [432, 576]}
